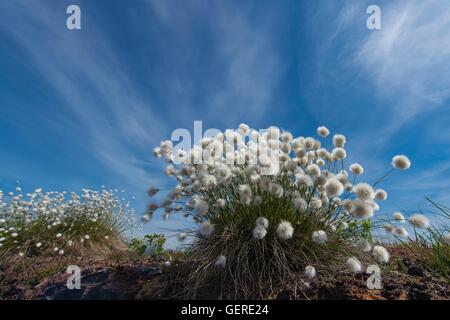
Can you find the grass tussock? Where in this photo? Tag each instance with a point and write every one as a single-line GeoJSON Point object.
{"type": "Point", "coordinates": [57, 223]}
{"type": "Point", "coordinates": [268, 206]}
{"type": "Point", "coordinates": [431, 248]}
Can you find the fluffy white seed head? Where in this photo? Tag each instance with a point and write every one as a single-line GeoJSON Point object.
{"type": "Point", "coordinates": [354, 265]}
{"type": "Point", "coordinates": [309, 143]}
{"type": "Point", "coordinates": [200, 206]}
{"type": "Point", "coordinates": [206, 229]}
{"type": "Point", "coordinates": [363, 245]}
{"type": "Point", "coordinates": [291, 165]}
{"type": "Point", "coordinates": [319, 236]}
{"type": "Point", "coordinates": [259, 232]}
{"type": "Point", "coordinates": [364, 191]}
{"type": "Point", "coordinates": [446, 238]}
{"type": "Point", "coordinates": [244, 128]}
{"type": "Point", "coordinates": [221, 261]}
{"type": "Point", "coordinates": [347, 204]}
{"type": "Point", "coordinates": [381, 194]}
{"type": "Point", "coordinates": [338, 140]}
{"type": "Point", "coordinates": [401, 232]}
{"type": "Point", "coordinates": [389, 228]}
{"type": "Point", "coordinates": [221, 203]}
{"type": "Point", "coordinates": [313, 170]}
{"type": "Point", "coordinates": [399, 217]}
{"type": "Point", "coordinates": [380, 254]}
{"type": "Point", "coordinates": [333, 187]}
{"type": "Point", "coordinates": [401, 162]}
{"type": "Point", "coordinates": [286, 136]}
{"type": "Point", "coordinates": [263, 222]}
{"type": "Point", "coordinates": [182, 236]}
{"type": "Point", "coordinates": [323, 131]}
{"type": "Point", "coordinates": [419, 221]}
{"type": "Point", "coordinates": [310, 272]}
{"type": "Point", "coordinates": [361, 209]}
{"type": "Point", "coordinates": [339, 153]}
{"type": "Point", "coordinates": [356, 169]}
{"type": "Point", "coordinates": [285, 230]}
{"type": "Point", "coordinates": [300, 204]}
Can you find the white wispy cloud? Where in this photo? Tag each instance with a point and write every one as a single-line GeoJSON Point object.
{"type": "Point", "coordinates": [409, 59]}
{"type": "Point", "coordinates": [116, 121]}
{"type": "Point", "coordinates": [242, 64]}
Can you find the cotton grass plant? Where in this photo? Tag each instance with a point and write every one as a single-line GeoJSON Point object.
{"type": "Point", "coordinates": [428, 244]}
{"type": "Point", "coordinates": [60, 223]}
{"type": "Point", "coordinates": [267, 205]}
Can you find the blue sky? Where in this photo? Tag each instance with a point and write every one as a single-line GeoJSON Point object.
{"type": "Point", "coordinates": [84, 108]}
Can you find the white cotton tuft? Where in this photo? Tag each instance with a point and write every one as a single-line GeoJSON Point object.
{"type": "Point", "coordinates": [401, 162]}
{"type": "Point", "coordinates": [286, 137]}
{"type": "Point", "coordinates": [380, 194]}
{"type": "Point", "coordinates": [354, 265]}
{"type": "Point", "coordinates": [347, 204]}
{"type": "Point", "coordinates": [381, 254]}
{"type": "Point", "coordinates": [363, 245]}
{"type": "Point", "coordinates": [285, 230]}
{"type": "Point", "coordinates": [323, 131]}
{"type": "Point", "coordinates": [200, 206]}
{"type": "Point", "coordinates": [310, 272]}
{"type": "Point", "coordinates": [221, 203]}
{"type": "Point", "coordinates": [245, 194]}
{"type": "Point", "coordinates": [338, 140]}
{"type": "Point", "coordinates": [356, 169]}
{"type": "Point", "coordinates": [364, 191]}
{"type": "Point", "coordinates": [319, 236]}
{"type": "Point", "coordinates": [333, 187]}
{"type": "Point", "coordinates": [263, 222]}
{"type": "Point", "coordinates": [389, 228]}
{"type": "Point", "coordinates": [447, 238]}
{"type": "Point", "coordinates": [309, 143]}
{"type": "Point", "coordinates": [361, 209]}
{"type": "Point", "coordinates": [206, 229]}
{"type": "Point", "coordinates": [244, 128]}
{"type": "Point", "coordinates": [259, 232]}
{"type": "Point", "coordinates": [419, 221]}
{"type": "Point", "coordinates": [339, 153]}
{"type": "Point", "coordinates": [401, 232]}
{"type": "Point", "coordinates": [182, 236]}
{"type": "Point", "coordinates": [313, 170]}
{"type": "Point", "coordinates": [291, 165]}
{"type": "Point", "coordinates": [221, 261]}
{"type": "Point", "coordinates": [300, 203]}
{"type": "Point", "coordinates": [399, 217]}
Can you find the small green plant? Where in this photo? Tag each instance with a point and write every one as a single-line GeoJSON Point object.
{"type": "Point", "coordinates": [137, 245]}
{"type": "Point", "coordinates": [153, 244]}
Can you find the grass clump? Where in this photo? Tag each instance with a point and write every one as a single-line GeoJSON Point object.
{"type": "Point", "coordinates": [431, 247]}
{"type": "Point", "coordinates": [268, 206]}
{"type": "Point", "coordinates": [58, 223]}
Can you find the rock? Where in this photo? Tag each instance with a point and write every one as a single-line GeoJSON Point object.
{"type": "Point", "coordinates": [99, 285]}
{"type": "Point", "coordinates": [415, 270]}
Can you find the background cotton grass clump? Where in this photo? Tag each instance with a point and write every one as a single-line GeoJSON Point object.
{"type": "Point", "coordinates": [267, 205]}
{"type": "Point", "coordinates": [58, 223]}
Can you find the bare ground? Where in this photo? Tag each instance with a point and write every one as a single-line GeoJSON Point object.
{"type": "Point", "coordinates": [137, 278]}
